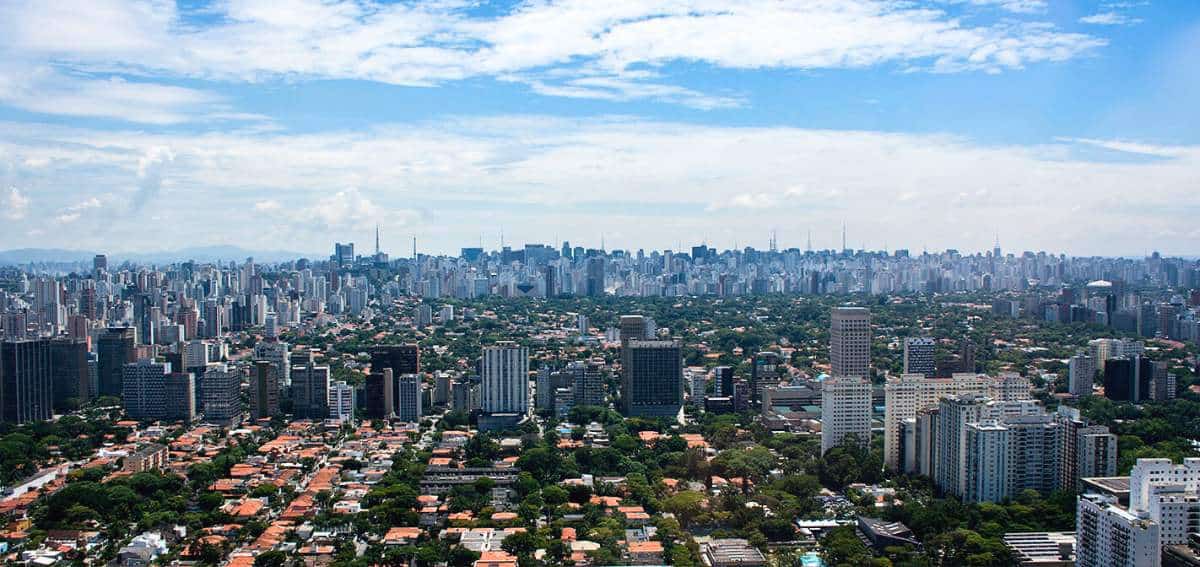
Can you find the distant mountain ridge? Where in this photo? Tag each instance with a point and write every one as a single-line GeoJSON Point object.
{"type": "Point", "coordinates": [221, 253]}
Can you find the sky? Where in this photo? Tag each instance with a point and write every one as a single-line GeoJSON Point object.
{"type": "Point", "coordinates": [1060, 125]}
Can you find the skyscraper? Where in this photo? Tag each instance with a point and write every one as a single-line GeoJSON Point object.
{"type": "Point", "coordinates": [264, 390]}
{"type": "Point", "coordinates": [408, 391]}
{"type": "Point", "coordinates": [505, 378]}
{"type": "Point", "coordinates": [151, 392]}
{"type": "Point", "coordinates": [764, 372]}
{"type": "Point", "coordinates": [341, 401]}
{"type": "Point", "coordinates": [918, 356]}
{"type": "Point", "coordinates": [850, 342]}
{"type": "Point", "coordinates": [633, 328]}
{"type": "Point", "coordinates": [26, 387]}
{"type": "Point", "coordinates": [69, 373]}
{"type": "Point", "coordinates": [222, 398]}
{"type": "Point", "coordinates": [310, 391]}
{"type": "Point", "coordinates": [1081, 375]}
{"type": "Point", "coordinates": [651, 378]}
{"type": "Point", "coordinates": [115, 348]}
{"type": "Point", "coordinates": [380, 394]}
{"type": "Point", "coordinates": [588, 386]}
{"type": "Point", "coordinates": [845, 410]}
{"type": "Point", "coordinates": [594, 286]}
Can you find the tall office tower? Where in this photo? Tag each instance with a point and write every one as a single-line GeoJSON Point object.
{"type": "Point", "coordinates": [222, 398]}
{"type": "Point", "coordinates": [69, 373]}
{"type": "Point", "coordinates": [408, 392]}
{"type": "Point", "coordinates": [918, 356]}
{"type": "Point", "coordinates": [264, 390]}
{"type": "Point", "coordinates": [1169, 495]}
{"type": "Point", "coordinates": [143, 319]}
{"type": "Point", "coordinates": [850, 342]}
{"type": "Point", "coordinates": [343, 254]}
{"type": "Point", "coordinates": [341, 401]}
{"type": "Point", "coordinates": [402, 359]}
{"type": "Point", "coordinates": [279, 355]}
{"type": "Point", "coordinates": [441, 388]}
{"type": "Point", "coordinates": [722, 381]}
{"type": "Point", "coordinates": [966, 355]}
{"type": "Point", "coordinates": [87, 303]}
{"type": "Point", "coordinates": [505, 375]}
{"type": "Point", "coordinates": [551, 280]}
{"type": "Point", "coordinates": [180, 389]}
{"type": "Point", "coordinates": [144, 389]}
{"type": "Point", "coordinates": [594, 286]}
{"type": "Point", "coordinates": [588, 386]}
{"type": "Point", "coordinates": [15, 325]}
{"type": "Point", "coordinates": [845, 410]}
{"type": "Point", "coordinates": [697, 386]}
{"type": "Point", "coordinates": [195, 355]}
{"type": "Point", "coordinates": [1128, 378]}
{"type": "Point", "coordinates": [765, 371]}
{"type": "Point", "coordinates": [461, 396]}
{"type": "Point", "coordinates": [543, 392]}
{"type": "Point", "coordinates": [310, 391]}
{"type": "Point", "coordinates": [1104, 349]}
{"type": "Point", "coordinates": [380, 394]}
{"type": "Point", "coordinates": [115, 349]}
{"type": "Point", "coordinates": [633, 328]}
{"type": "Point", "coordinates": [1108, 535]}
{"type": "Point", "coordinates": [905, 396]}
{"type": "Point", "coordinates": [99, 262]}
{"type": "Point", "coordinates": [1084, 450]}
{"type": "Point", "coordinates": [26, 381]}
{"type": "Point", "coordinates": [582, 322]}
{"type": "Point", "coordinates": [1081, 372]}
{"type": "Point", "coordinates": [651, 378]}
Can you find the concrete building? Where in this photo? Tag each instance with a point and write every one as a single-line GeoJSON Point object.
{"type": "Point", "coordinates": [115, 347]}
{"type": "Point", "coordinates": [845, 410]}
{"type": "Point", "coordinates": [408, 391]}
{"type": "Point", "coordinates": [310, 391]}
{"type": "Point", "coordinates": [919, 356]}
{"type": "Point", "coordinates": [152, 392]}
{"type": "Point", "coordinates": [264, 390]}
{"type": "Point", "coordinates": [1081, 375]}
{"type": "Point", "coordinates": [588, 386]}
{"type": "Point", "coordinates": [222, 400]}
{"type": "Point", "coordinates": [380, 390]}
{"type": "Point", "coordinates": [850, 342]}
{"type": "Point", "coordinates": [26, 381]}
{"type": "Point", "coordinates": [341, 401]}
{"type": "Point", "coordinates": [651, 378]}
{"type": "Point", "coordinates": [1108, 535]}
{"type": "Point", "coordinates": [505, 378]}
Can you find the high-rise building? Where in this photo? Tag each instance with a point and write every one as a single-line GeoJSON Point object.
{"type": "Point", "coordinates": [588, 385]}
{"type": "Point", "coordinates": [1108, 535]}
{"type": "Point", "coordinates": [1168, 494]}
{"type": "Point", "coordinates": [765, 371]}
{"type": "Point", "coordinates": [543, 392]}
{"type": "Point", "coordinates": [1081, 374]}
{"type": "Point", "coordinates": [907, 395]}
{"type": "Point", "coordinates": [381, 396]}
{"type": "Point", "coordinates": [633, 328]}
{"type": "Point", "coordinates": [150, 391]}
{"type": "Point", "coordinates": [264, 390]}
{"type": "Point", "coordinates": [402, 359]}
{"type": "Point", "coordinates": [850, 342]}
{"type": "Point", "coordinates": [505, 379]}
{"type": "Point", "coordinates": [115, 348]}
{"type": "Point", "coordinates": [222, 400]}
{"type": "Point", "coordinates": [310, 391]}
{"type": "Point", "coordinates": [26, 381]}
{"type": "Point", "coordinates": [441, 388]}
{"type": "Point", "coordinates": [341, 401]}
{"type": "Point", "coordinates": [723, 381]}
{"type": "Point", "coordinates": [279, 355]}
{"type": "Point", "coordinates": [69, 373]}
{"type": "Point", "coordinates": [343, 254]}
{"type": "Point", "coordinates": [651, 378]}
{"type": "Point", "coordinates": [594, 286]}
{"type": "Point", "coordinates": [1129, 378]}
{"type": "Point", "coordinates": [918, 356]}
{"type": "Point", "coordinates": [181, 397]}
{"type": "Point", "coordinates": [408, 392]}
{"type": "Point", "coordinates": [1084, 450]}
{"type": "Point", "coordinates": [845, 411]}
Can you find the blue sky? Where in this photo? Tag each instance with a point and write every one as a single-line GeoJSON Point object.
{"type": "Point", "coordinates": [143, 125]}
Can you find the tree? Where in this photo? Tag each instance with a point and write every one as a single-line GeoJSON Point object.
{"type": "Point", "coordinates": [271, 559]}
{"type": "Point", "coordinates": [686, 505]}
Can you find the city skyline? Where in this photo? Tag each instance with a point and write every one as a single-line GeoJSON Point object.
{"type": "Point", "coordinates": [146, 126]}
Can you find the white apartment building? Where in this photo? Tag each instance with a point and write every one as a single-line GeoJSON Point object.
{"type": "Point", "coordinates": [341, 401]}
{"type": "Point", "coordinates": [845, 409]}
{"type": "Point", "coordinates": [1107, 535]}
{"type": "Point", "coordinates": [850, 341]}
{"type": "Point", "coordinates": [505, 378]}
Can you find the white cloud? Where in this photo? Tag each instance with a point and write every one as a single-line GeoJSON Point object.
{"type": "Point", "coordinates": [574, 48]}
{"type": "Point", "coordinates": [17, 206]}
{"type": "Point", "coordinates": [1110, 19]}
{"type": "Point", "coordinates": [659, 182]}
{"type": "Point", "coordinates": [270, 205]}
{"type": "Point", "coordinates": [151, 170]}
